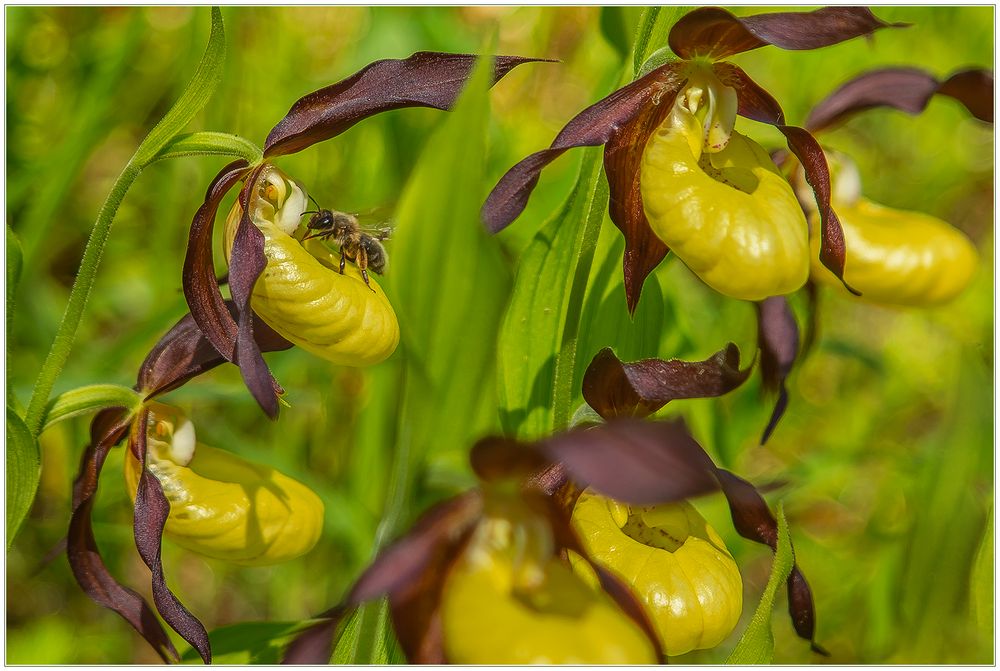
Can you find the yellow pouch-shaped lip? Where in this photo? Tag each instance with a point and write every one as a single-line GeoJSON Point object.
{"type": "Point", "coordinates": [674, 561]}
{"type": "Point", "coordinates": [302, 295]}
{"type": "Point", "coordinates": [228, 508]}
{"type": "Point", "coordinates": [729, 216]}
{"type": "Point", "coordinates": [899, 257]}
{"type": "Point", "coordinates": [504, 604]}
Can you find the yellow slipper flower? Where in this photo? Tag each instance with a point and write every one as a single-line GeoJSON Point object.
{"type": "Point", "coordinates": [221, 505]}
{"type": "Point", "coordinates": [675, 562]}
{"type": "Point", "coordinates": [301, 294]}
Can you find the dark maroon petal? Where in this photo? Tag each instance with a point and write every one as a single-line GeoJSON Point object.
{"type": "Point", "coordinates": [201, 289]}
{"type": "Point", "coordinates": [616, 389]}
{"type": "Point", "coordinates": [753, 520]}
{"type": "Point", "coordinates": [833, 251]}
{"type": "Point", "coordinates": [108, 427]}
{"type": "Point", "coordinates": [246, 263]}
{"type": "Point", "coordinates": [905, 89]}
{"type": "Point", "coordinates": [404, 562]}
{"type": "Point", "coordinates": [622, 162]}
{"type": "Point", "coordinates": [778, 340]}
{"type": "Point", "coordinates": [754, 102]}
{"type": "Point", "coordinates": [425, 79]}
{"type": "Point", "coordinates": [151, 511]}
{"type": "Point", "coordinates": [715, 33]}
{"type": "Point", "coordinates": [184, 353]}
{"type": "Point", "coordinates": [502, 458]}
{"type": "Point", "coordinates": [416, 604]}
{"type": "Point", "coordinates": [974, 89]}
{"type": "Point", "coordinates": [635, 461]}
{"type": "Point", "coordinates": [314, 645]}
{"type": "Point", "coordinates": [592, 127]}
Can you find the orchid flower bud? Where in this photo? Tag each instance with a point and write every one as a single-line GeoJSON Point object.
{"type": "Point", "coordinates": [221, 505]}
{"type": "Point", "coordinates": [718, 201]}
{"type": "Point", "coordinates": [894, 256]}
{"type": "Point", "coordinates": [302, 294]}
{"type": "Point", "coordinates": [675, 562]}
{"type": "Point", "coordinates": [509, 599]}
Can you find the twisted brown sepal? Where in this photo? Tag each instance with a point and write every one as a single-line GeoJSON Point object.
{"type": "Point", "coordinates": [201, 289]}
{"type": "Point", "coordinates": [425, 79]}
{"type": "Point", "coordinates": [617, 389]}
{"type": "Point", "coordinates": [107, 428]}
{"type": "Point", "coordinates": [715, 33]}
{"type": "Point", "coordinates": [778, 340]}
{"type": "Point", "coordinates": [622, 164]}
{"type": "Point", "coordinates": [753, 520]}
{"type": "Point", "coordinates": [757, 104]}
{"type": "Point", "coordinates": [592, 127]}
{"type": "Point", "coordinates": [184, 352]}
{"type": "Point", "coordinates": [906, 89]}
{"type": "Point", "coordinates": [246, 262]}
{"type": "Point", "coordinates": [151, 511]}
{"type": "Point", "coordinates": [411, 572]}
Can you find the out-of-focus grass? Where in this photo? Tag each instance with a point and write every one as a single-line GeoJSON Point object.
{"type": "Point", "coordinates": [887, 443]}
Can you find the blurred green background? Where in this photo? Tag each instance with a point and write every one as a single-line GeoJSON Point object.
{"type": "Point", "coordinates": [885, 453]}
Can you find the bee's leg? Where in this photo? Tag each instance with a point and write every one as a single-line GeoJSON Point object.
{"type": "Point", "coordinates": [343, 260]}
{"type": "Point", "coordinates": [362, 260]}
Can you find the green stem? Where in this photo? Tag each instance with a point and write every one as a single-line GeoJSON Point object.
{"type": "Point", "coordinates": [63, 342]}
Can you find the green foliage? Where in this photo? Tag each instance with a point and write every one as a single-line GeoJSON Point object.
{"type": "Point", "coordinates": [206, 79]}
{"type": "Point", "coordinates": [87, 400]}
{"type": "Point", "coordinates": [981, 588]}
{"type": "Point", "coordinates": [248, 642]}
{"type": "Point", "coordinates": [209, 143]}
{"type": "Point", "coordinates": [23, 470]}
{"type": "Point", "coordinates": [756, 645]}
{"type": "Point", "coordinates": [886, 449]}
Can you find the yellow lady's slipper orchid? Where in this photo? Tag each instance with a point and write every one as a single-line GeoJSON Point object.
{"type": "Point", "coordinates": [302, 295]}
{"type": "Point", "coordinates": [676, 563]}
{"type": "Point", "coordinates": [221, 505]}
{"type": "Point", "coordinates": [509, 600]}
{"type": "Point", "coordinates": [718, 201]}
{"type": "Point", "coordinates": [896, 257]}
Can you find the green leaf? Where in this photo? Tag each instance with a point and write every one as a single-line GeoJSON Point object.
{"type": "Point", "coordinates": [539, 333]}
{"type": "Point", "coordinates": [449, 282]}
{"type": "Point", "coordinates": [209, 143]}
{"type": "Point", "coordinates": [981, 590]}
{"type": "Point", "coordinates": [206, 79]}
{"type": "Point", "coordinates": [614, 28]}
{"type": "Point", "coordinates": [756, 645]}
{"type": "Point", "coordinates": [249, 642]}
{"type": "Point", "coordinates": [89, 399]}
{"type": "Point", "coordinates": [24, 467]}
{"type": "Point", "coordinates": [651, 36]}
{"type": "Point", "coordinates": [354, 647]}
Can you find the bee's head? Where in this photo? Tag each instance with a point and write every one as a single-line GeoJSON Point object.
{"type": "Point", "coordinates": [321, 221]}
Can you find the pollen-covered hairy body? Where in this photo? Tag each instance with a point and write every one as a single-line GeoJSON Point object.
{"type": "Point", "coordinates": [302, 293]}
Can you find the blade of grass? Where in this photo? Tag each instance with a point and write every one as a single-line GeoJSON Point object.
{"type": "Point", "coordinates": [756, 645]}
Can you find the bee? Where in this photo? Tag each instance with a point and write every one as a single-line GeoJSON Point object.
{"type": "Point", "coordinates": [363, 247]}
